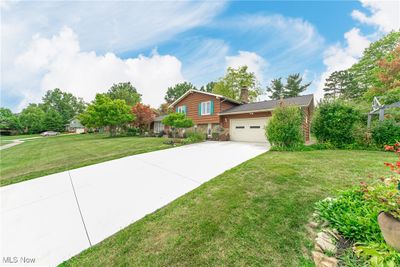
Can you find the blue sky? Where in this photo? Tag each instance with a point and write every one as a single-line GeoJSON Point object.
{"type": "Point", "coordinates": [85, 47]}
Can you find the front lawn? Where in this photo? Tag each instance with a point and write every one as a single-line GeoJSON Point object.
{"type": "Point", "coordinates": [46, 155]}
{"type": "Point", "coordinates": [252, 215]}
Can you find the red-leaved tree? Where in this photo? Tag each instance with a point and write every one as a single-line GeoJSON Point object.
{"type": "Point", "coordinates": [144, 115]}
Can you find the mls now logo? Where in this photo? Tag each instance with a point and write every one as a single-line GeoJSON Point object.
{"type": "Point", "coordinates": [18, 260]}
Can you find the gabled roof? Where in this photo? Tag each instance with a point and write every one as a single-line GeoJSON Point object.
{"type": "Point", "coordinates": [206, 93]}
{"type": "Point", "coordinates": [302, 101]}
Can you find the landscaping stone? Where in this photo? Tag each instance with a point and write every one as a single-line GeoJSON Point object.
{"type": "Point", "coordinates": [325, 243]}
{"type": "Point", "coordinates": [317, 257]}
{"type": "Point", "coordinates": [313, 224]}
{"type": "Point", "coordinates": [328, 262]}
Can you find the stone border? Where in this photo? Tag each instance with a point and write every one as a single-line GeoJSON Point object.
{"type": "Point", "coordinates": [325, 241]}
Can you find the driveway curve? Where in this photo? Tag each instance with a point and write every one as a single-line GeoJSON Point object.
{"type": "Point", "coordinates": [53, 218]}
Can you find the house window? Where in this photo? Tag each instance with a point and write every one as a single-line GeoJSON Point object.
{"type": "Point", "coordinates": [239, 127]}
{"type": "Point", "coordinates": [206, 108]}
{"type": "Point", "coordinates": [255, 127]}
{"type": "Point", "coordinates": [181, 109]}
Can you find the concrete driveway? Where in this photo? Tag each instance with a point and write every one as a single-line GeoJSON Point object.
{"type": "Point", "coordinates": [53, 218]}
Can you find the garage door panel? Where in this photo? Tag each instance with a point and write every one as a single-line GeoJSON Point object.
{"type": "Point", "coordinates": [248, 130]}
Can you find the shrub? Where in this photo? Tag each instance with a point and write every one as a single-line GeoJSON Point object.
{"type": "Point", "coordinates": [132, 131]}
{"type": "Point", "coordinates": [386, 132]}
{"type": "Point", "coordinates": [177, 121]}
{"type": "Point", "coordinates": [284, 129]}
{"type": "Point", "coordinates": [335, 122]}
{"type": "Point", "coordinates": [352, 216]}
{"type": "Point", "coordinates": [194, 137]}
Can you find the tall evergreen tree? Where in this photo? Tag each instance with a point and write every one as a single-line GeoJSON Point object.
{"type": "Point", "coordinates": [293, 85]}
{"type": "Point", "coordinates": [276, 89]}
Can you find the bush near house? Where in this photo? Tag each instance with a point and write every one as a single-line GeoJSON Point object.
{"type": "Point", "coordinates": [335, 122]}
{"type": "Point", "coordinates": [177, 121]}
{"type": "Point", "coordinates": [386, 132]}
{"type": "Point", "coordinates": [284, 129]}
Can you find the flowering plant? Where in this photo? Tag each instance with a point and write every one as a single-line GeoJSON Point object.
{"type": "Point", "coordinates": [396, 166]}
{"type": "Point", "coordinates": [387, 191]}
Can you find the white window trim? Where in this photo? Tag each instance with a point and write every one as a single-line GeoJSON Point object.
{"type": "Point", "coordinates": [204, 106]}
{"type": "Point", "coordinates": [181, 109]}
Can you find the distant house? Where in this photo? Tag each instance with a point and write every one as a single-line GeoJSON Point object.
{"type": "Point", "coordinates": [75, 126]}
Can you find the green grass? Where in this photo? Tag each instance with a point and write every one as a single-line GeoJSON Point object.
{"type": "Point", "coordinates": [251, 215]}
{"type": "Point", "coordinates": [20, 136]}
{"type": "Point", "coordinates": [42, 156]}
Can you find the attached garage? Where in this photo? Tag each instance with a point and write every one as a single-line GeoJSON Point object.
{"type": "Point", "coordinates": [248, 130]}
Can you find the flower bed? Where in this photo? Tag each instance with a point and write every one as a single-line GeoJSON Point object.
{"type": "Point", "coordinates": [353, 214]}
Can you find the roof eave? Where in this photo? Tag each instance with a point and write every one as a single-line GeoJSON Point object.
{"type": "Point", "coordinates": [201, 92]}
{"type": "Point", "coordinates": [255, 111]}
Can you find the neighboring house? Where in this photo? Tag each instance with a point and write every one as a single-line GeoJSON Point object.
{"type": "Point", "coordinates": [75, 126]}
{"type": "Point", "coordinates": [157, 125]}
{"type": "Point", "coordinates": [234, 120]}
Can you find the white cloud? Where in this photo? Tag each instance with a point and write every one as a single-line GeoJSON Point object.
{"type": "Point", "coordinates": [58, 62]}
{"type": "Point", "coordinates": [102, 27]}
{"type": "Point", "coordinates": [254, 62]}
{"type": "Point", "coordinates": [384, 14]}
{"type": "Point", "coordinates": [339, 57]}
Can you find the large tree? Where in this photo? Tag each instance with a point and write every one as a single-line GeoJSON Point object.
{"type": "Point", "coordinates": [32, 118]}
{"type": "Point", "coordinates": [65, 104]}
{"type": "Point", "coordinates": [173, 93]}
{"type": "Point", "coordinates": [294, 86]}
{"type": "Point", "coordinates": [277, 89]}
{"type": "Point", "coordinates": [340, 84]}
{"type": "Point", "coordinates": [234, 80]}
{"type": "Point", "coordinates": [53, 121]}
{"type": "Point", "coordinates": [144, 115]}
{"type": "Point", "coordinates": [366, 70]}
{"type": "Point", "coordinates": [8, 120]}
{"type": "Point", "coordinates": [107, 112]}
{"type": "Point", "coordinates": [125, 91]}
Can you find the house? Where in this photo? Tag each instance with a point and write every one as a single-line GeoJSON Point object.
{"type": "Point", "coordinates": [157, 125]}
{"type": "Point", "coordinates": [75, 126]}
{"type": "Point", "coordinates": [236, 120]}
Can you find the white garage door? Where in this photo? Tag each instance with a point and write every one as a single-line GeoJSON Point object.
{"type": "Point", "coordinates": [248, 130]}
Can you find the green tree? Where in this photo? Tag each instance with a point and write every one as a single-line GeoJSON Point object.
{"type": "Point", "coordinates": [284, 129]}
{"type": "Point", "coordinates": [340, 84]}
{"type": "Point", "coordinates": [32, 118]}
{"type": "Point", "coordinates": [366, 70]}
{"type": "Point", "coordinates": [276, 89]}
{"type": "Point", "coordinates": [107, 112]}
{"type": "Point", "coordinates": [53, 121]}
{"type": "Point", "coordinates": [8, 120]}
{"type": "Point", "coordinates": [208, 87]}
{"type": "Point", "coordinates": [293, 85]}
{"type": "Point", "coordinates": [335, 122]}
{"type": "Point", "coordinates": [234, 80]}
{"type": "Point", "coordinates": [125, 91]}
{"type": "Point", "coordinates": [173, 93]}
{"type": "Point", "coordinates": [66, 104]}
{"type": "Point", "coordinates": [177, 121]}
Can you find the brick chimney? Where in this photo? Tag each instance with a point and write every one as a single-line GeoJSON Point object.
{"type": "Point", "coordinates": [244, 94]}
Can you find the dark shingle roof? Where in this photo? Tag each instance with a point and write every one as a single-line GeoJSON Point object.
{"type": "Point", "coordinates": [303, 100]}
